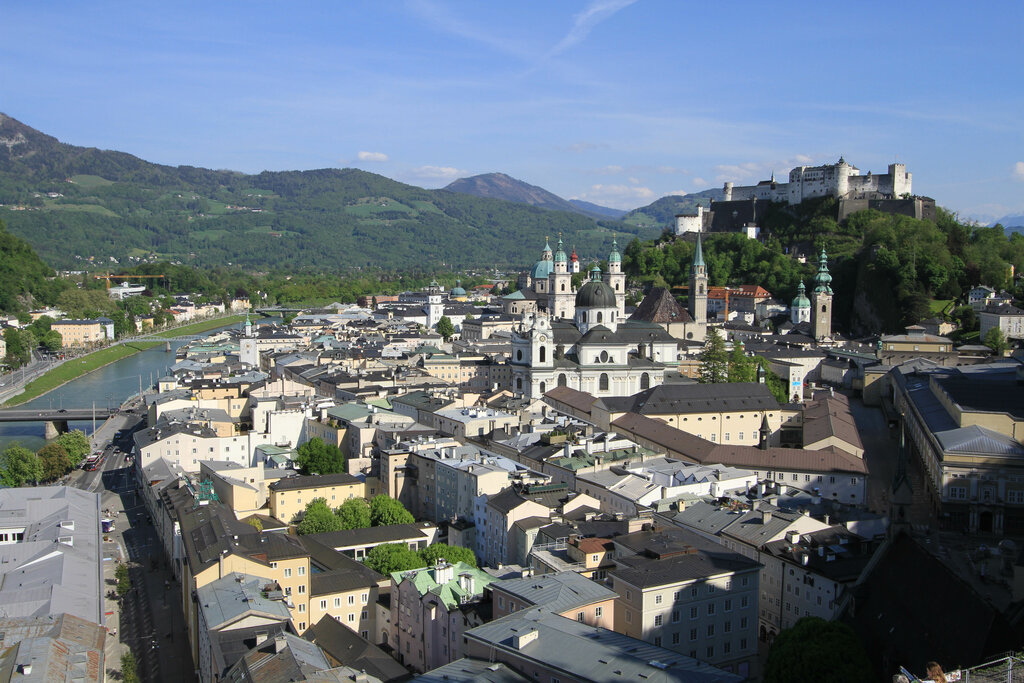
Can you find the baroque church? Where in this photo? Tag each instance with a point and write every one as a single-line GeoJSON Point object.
{"type": "Point", "coordinates": [582, 339]}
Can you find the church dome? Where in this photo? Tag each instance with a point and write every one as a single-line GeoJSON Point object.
{"type": "Point", "coordinates": [560, 256]}
{"type": "Point", "coordinates": [801, 300]}
{"type": "Point", "coordinates": [595, 293]}
{"type": "Point", "coordinates": [615, 256]}
{"type": "Point", "coordinates": [457, 290]}
{"type": "Point", "coordinates": [541, 269]}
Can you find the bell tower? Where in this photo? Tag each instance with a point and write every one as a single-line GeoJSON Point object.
{"type": "Point", "coordinates": [561, 298]}
{"type": "Point", "coordinates": [699, 287]}
{"type": "Point", "coordinates": [616, 279]}
{"type": "Point", "coordinates": [821, 301]}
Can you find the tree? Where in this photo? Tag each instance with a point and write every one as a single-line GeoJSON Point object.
{"type": "Point", "coordinates": [453, 553]}
{"type": "Point", "coordinates": [445, 327]}
{"type": "Point", "coordinates": [19, 466]}
{"type": "Point", "coordinates": [714, 360]}
{"type": "Point", "coordinates": [996, 340]}
{"type": "Point", "coordinates": [318, 518]}
{"type": "Point", "coordinates": [813, 647]}
{"type": "Point", "coordinates": [354, 513]}
{"type": "Point", "coordinates": [255, 523]}
{"type": "Point", "coordinates": [124, 580]}
{"type": "Point", "coordinates": [317, 457]}
{"type": "Point", "coordinates": [19, 346]}
{"type": "Point", "coordinates": [55, 461]}
{"type": "Point", "coordinates": [741, 368]}
{"type": "Point", "coordinates": [775, 384]}
{"type": "Point", "coordinates": [76, 443]}
{"type": "Point", "coordinates": [393, 557]}
{"type": "Point", "coordinates": [385, 511]}
{"type": "Point", "coordinates": [129, 670]}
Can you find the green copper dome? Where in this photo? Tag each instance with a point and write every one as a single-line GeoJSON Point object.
{"type": "Point", "coordinates": [560, 255]}
{"type": "Point", "coordinates": [823, 281]}
{"type": "Point", "coordinates": [595, 293]}
{"type": "Point", "coordinates": [615, 256]}
{"type": "Point", "coordinates": [457, 290]}
{"type": "Point", "coordinates": [801, 300]}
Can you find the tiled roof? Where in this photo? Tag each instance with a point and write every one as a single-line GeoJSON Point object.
{"type": "Point", "coordinates": [659, 306]}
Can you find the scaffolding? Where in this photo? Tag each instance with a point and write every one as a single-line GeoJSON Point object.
{"type": "Point", "coordinates": [1009, 669]}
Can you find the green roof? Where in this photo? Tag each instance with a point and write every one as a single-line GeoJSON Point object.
{"type": "Point", "coordinates": [514, 296]}
{"type": "Point", "coordinates": [450, 593]}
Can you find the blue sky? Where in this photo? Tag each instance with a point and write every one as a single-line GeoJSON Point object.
{"type": "Point", "coordinates": [612, 101]}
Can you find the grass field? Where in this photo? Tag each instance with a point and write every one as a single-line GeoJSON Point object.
{"type": "Point", "coordinates": [76, 368]}
{"type": "Point", "coordinates": [936, 306]}
{"type": "Point", "coordinates": [90, 180]}
{"type": "Point", "coordinates": [201, 326]}
{"type": "Point", "coordinates": [87, 208]}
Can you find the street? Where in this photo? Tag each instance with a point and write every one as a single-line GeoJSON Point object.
{"type": "Point", "coordinates": [148, 620]}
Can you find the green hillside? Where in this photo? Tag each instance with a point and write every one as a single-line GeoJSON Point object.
{"type": "Point", "coordinates": [72, 203]}
{"type": "Point", "coordinates": [661, 213]}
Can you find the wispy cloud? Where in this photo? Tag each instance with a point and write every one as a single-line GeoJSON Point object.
{"type": "Point", "coordinates": [445, 21]}
{"type": "Point", "coordinates": [760, 170]}
{"type": "Point", "coordinates": [1018, 170]}
{"type": "Point", "coordinates": [372, 156]}
{"type": "Point", "coordinates": [435, 173]}
{"type": "Point", "coordinates": [585, 21]}
{"type": "Point", "coordinates": [580, 147]}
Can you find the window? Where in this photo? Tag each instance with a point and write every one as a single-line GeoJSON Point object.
{"type": "Point", "coordinates": [728, 605]}
{"type": "Point", "coordinates": [323, 604]}
{"type": "Point", "coordinates": [351, 599]}
{"type": "Point", "coordinates": [351, 618]}
{"type": "Point", "coordinates": [693, 612]}
{"type": "Point", "coordinates": [693, 634]}
{"type": "Point", "coordinates": [1015, 496]}
{"type": "Point", "coordinates": [657, 641]}
{"type": "Point", "coordinates": [959, 492]}
{"type": "Point", "coordinates": [598, 611]}
{"type": "Point", "coordinates": [743, 622]}
{"type": "Point", "coordinates": [629, 617]}
{"type": "Point", "coordinates": [711, 608]}
{"type": "Point", "coordinates": [287, 572]}
{"type": "Point", "coordinates": [302, 571]}
{"type": "Point", "coordinates": [675, 638]}
{"type": "Point", "coordinates": [657, 599]}
{"type": "Point", "coordinates": [302, 589]}
{"type": "Point", "coordinates": [743, 643]}
{"type": "Point", "coordinates": [711, 629]}
{"type": "Point", "coordinates": [302, 607]}
{"type": "Point", "coordinates": [364, 598]}
{"type": "Point", "coordinates": [726, 436]}
{"type": "Point", "coordinates": [657, 620]}
{"type": "Point", "coordinates": [693, 592]}
{"type": "Point", "coordinates": [711, 588]}
{"type": "Point", "coordinates": [603, 382]}
{"type": "Point", "coordinates": [711, 652]}
{"type": "Point", "coordinates": [629, 595]}
{"type": "Point", "coordinates": [726, 646]}
{"type": "Point", "coordinates": [337, 602]}
{"type": "Point", "coordinates": [273, 565]}
{"type": "Point", "coordinates": [728, 626]}
{"type": "Point", "coordinates": [675, 616]}
{"type": "Point", "coordinates": [579, 617]}
{"type": "Point", "coordinates": [302, 625]}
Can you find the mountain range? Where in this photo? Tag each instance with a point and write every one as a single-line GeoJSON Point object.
{"type": "Point", "coordinates": [76, 204]}
{"type": "Point", "coordinates": [502, 186]}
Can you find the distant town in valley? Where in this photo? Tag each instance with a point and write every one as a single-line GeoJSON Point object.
{"type": "Point", "coordinates": [483, 433]}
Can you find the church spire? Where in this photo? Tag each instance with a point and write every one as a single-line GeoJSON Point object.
{"type": "Point", "coordinates": [823, 281]}
{"type": "Point", "coordinates": [698, 254]}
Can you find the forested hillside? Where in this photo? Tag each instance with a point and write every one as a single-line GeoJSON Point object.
{"type": "Point", "coordinates": [887, 270]}
{"type": "Point", "coordinates": [72, 203]}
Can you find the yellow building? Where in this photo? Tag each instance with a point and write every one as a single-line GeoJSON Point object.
{"type": "Point", "coordinates": [289, 496]}
{"type": "Point", "coordinates": [83, 332]}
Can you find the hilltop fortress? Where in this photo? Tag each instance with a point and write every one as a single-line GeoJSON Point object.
{"type": "Point", "coordinates": [839, 180]}
{"type": "Point", "coordinates": [741, 206]}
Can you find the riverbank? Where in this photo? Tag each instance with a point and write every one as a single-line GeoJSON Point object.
{"type": "Point", "coordinates": [199, 327]}
{"type": "Point", "coordinates": [75, 368]}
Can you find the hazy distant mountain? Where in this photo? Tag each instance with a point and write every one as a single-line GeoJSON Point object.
{"type": "Point", "coordinates": [75, 203]}
{"type": "Point", "coordinates": [1010, 222]}
{"type": "Point", "coordinates": [597, 210]}
{"type": "Point", "coordinates": [502, 186]}
{"type": "Point", "coordinates": [662, 212]}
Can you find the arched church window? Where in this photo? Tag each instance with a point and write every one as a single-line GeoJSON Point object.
{"type": "Point", "coordinates": [602, 382]}
{"type": "Point", "coordinates": [562, 381]}
{"type": "Point", "coordinates": [600, 317]}
{"type": "Point", "coordinates": [519, 383]}
{"type": "Point", "coordinates": [563, 286]}
{"type": "Point", "coordinates": [645, 381]}
{"type": "Point", "coordinates": [824, 309]}
{"type": "Point", "coordinates": [543, 388]}
{"type": "Point", "coordinates": [543, 354]}
{"type": "Point", "coordinates": [519, 354]}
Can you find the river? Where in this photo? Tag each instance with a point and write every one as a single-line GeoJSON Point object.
{"type": "Point", "coordinates": [106, 387]}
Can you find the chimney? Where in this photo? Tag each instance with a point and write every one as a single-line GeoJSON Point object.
{"type": "Point", "coordinates": [521, 640]}
{"type": "Point", "coordinates": [280, 643]}
{"type": "Point", "coordinates": [467, 583]}
{"type": "Point", "coordinates": [766, 516]}
{"type": "Point", "coordinates": [261, 637]}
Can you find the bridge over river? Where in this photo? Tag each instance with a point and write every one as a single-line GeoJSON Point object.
{"type": "Point", "coordinates": [56, 419]}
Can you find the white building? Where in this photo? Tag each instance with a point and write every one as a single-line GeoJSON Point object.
{"type": "Point", "coordinates": [839, 180]}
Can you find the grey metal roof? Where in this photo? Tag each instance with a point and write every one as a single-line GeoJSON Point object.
{"type": "Point", "coordinates": [590, 653]}
{"type": "Point", "coordinates": [557, 592]}
{"type": "Point", "coordinates": [974, 439]}
{"type": "Point", "coordinates": [470, 671]}
{"type": "Point", "coordinates": [228, 598]}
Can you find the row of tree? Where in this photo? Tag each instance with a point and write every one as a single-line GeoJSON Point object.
{"type": "Point", "coordinates": [354, 513]}
{"type": "Point", "coordinates": [718, 365]}
{"type": "Point", "coordinates": [397, 557]}
{"type": "Point", "coordinates": [19, 466]}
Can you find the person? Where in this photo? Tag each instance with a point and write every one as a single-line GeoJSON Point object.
{"type": "Point", "coordinates": [934, 672]}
